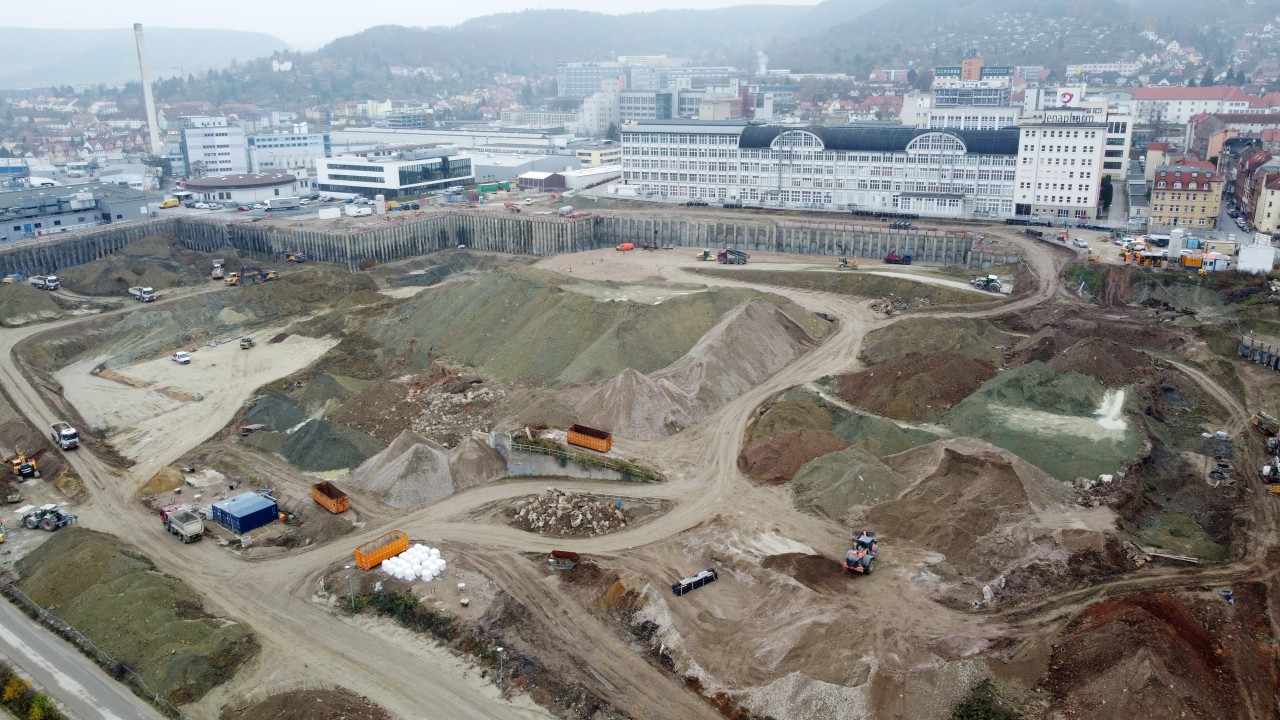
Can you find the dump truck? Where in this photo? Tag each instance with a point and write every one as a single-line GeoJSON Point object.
{"type": "Point", "coordinates": [590, 438]}
{"type": "Point", "coordinates": [232, 279]}
{"type": "Point", "coordinates": [329, 496]}
{"type": "Point", "coordinates": [142, 294]}
{"type": "Point", "coordinates": [896, 258]}
{"type": "Point", "coordinates": [180, 521]}
{"type": "Point", "coordinates": [24, 466]}
{"type": "Point", "coordinates": [511, 207]}
{"type": "Point", "coordinates": [64, 436]}
{"type": "Point", "coordinates": [46, 517]}
{"type": "Point", "coordinates": [373, 553]}
{"type": "Point", "coordinates": [46, 282]}
{"type": "Point", "coordinates": [730, 256]}
{"type": "Point", "coordinates": [862, 557]}
{"type": "Point", "coordinates": [1266, 424]}
{"type": "Point", "coordinates": [219, 269]}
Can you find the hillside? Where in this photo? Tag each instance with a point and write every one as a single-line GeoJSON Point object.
{"type": "Point", "coordinates": [43, 58]}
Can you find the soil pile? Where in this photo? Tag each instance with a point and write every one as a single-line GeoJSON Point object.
{"type": "Point", "coordinates": [790, 415]}
{"type": "Point", "coordinates": [277, 412]}
{"type": "Point", "coordinates": [969, 337]}
{"type": "Point", "coordinates": [1156, 656]}
{"type": "Point", "coordinates": [308, 705]}
{"type": "Point", "coordinates": [749, 344]}
{"type": "Point", "coordinates": [568, 514]}
{"type": "Point", "coordinates": [880, 437]}
{"type": "Point", "coordinates": [20, 303]}
{"type": "Point", "coordinates": [1066, 424]}
{"type": "Point", "coordinates": [1111, 363]}
{"type": "Point", "coordinates": [776, 458]}
{"type": "Point", "coordinates": [147, 620]}
{"type": "Point", "coordinates": [519, 323]}
{"type": "Point", "coordinates": [818, 573]}
{"type": "Point", "coordinates": [834, 484]}
{"type": "Point", "coordinates": [300, 292]}
{"type": "Point", "coordinates": [860, 284]}
{"type": "Point", "coordinates": [411, 471]}
{"type": "Point", "coordinates": [917, 387]}
{"type": "Point", "coordinates": [437, 267]}
{"type": "Point", "coordinates": [156, 261]}
{"type": "Point", "coordinates": [322, 445]}
{"type": "Point", "coordinates": [324, 391]}
{"type": "Point", "coordinates": [971, 503]}
{"type": "Point", "coordinates": [474, 463]}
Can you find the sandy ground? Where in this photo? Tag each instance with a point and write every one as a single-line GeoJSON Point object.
{"type": "Point", "coordinates": [147, 401]}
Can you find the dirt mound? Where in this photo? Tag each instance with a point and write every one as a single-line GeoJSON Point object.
{"type": "Point", "coordinates": [147, 620]}
{"type": "Point", "coordinates": [916, 387]}
{"type": "Point", "coordinates": [411, 471]}
{"type": "Point", "coordinates": [20, 303]}
{"type": "Point", "coordinates": [156, 260]}
{"type": "Point", "coordinates": [436, 267]}
{"type": "Point", "coordinates": [776, 458]}
{"type": "Point", "coordinates": [568, 514]}
{"type": "Point", "coordinates": [300, 292]}
{"type": "Point", "coordinates": [277, 412]}
{"type": "Point", "coordinates": [880, 437]}
{"type": "Point", "coordinates": [860, 284]}
{"type": "Point", "coordinates": [1150, 656]}
{"type": "Point", "coordinates": [979, 339]}
{"type": "Point", "coordinates": [749, 344]}
{"type": "Point", "coordinates": [790, 415]}
{"type": "Point", "coordinates": [322, 445]}
{"type": "Point", "coordinates": [519, 323]}
{"type": "Point", "coordinates": [1111, 363]}
{"type": "Point", "coordinates": [1066, 424]}
{"type": "Point", "coordinates": [1117, 285]}
{"type": "Point", "coordinates": [474, 463]}
{"type": "Point", "coordinates": [966, 504]}
{"type": "Point", "coordinates": [818, 573]}
{"type": "Point", "coordinates": [324, 389]}
{"type": "Point", "coordinates": [322, 704]}
{"type": "Point", "coordinates": [833, 484]}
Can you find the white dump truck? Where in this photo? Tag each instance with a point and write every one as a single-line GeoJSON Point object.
{"type": "Point", "coordinates": [219, 269]}
{"type": "Point", "coordinates": [46, 282]}
{"type": "Point", "coordinates": [142, 294]}
{"type": "Point", "coordinates": [64, 436]}
{"type": "Point", "coordinates": [180, 521]}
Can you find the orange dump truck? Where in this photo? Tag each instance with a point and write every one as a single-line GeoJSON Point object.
{"type": "Point", "coordinates": [590, 438]}
{"type": "Point", "coordinates": [372, 553]}
{"type": "Point", "coordinates": [328, 495]}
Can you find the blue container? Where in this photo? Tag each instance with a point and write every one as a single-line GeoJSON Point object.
{"type": "Point", "coordinates": [245, 512]}
{"type": "Point", "coordinates": [1193, 244]}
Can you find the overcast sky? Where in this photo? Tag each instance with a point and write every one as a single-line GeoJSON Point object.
{"type": "Point", "coordinates": [307, 24]}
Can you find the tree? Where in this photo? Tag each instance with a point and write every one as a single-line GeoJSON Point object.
{"type": "Point", "coordinates": [1108, 192]}
{"type": "Point", "coordinates": [526, 95]}
{"type": "Point", "coordinates": [614, 133]}
{"type": "Point", "coordinates": [197, 170]}
{"type": "Point", "coordinates": [1206, 80]}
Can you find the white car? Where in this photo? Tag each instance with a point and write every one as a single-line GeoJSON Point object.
{"type": "Point", "coordinates": [182, 357]}
{"type": "Point", "coordinates": [528, 201]}
{"type": "Point", "coordinates": [202, 206]}
{"type": "Point", "coordinates": [304, 201]}
{"type": "Point", "coordinates": [1080, 243]}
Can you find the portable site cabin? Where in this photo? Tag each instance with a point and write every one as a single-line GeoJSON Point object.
{"type": "Point", "coordinates": [245, 512]}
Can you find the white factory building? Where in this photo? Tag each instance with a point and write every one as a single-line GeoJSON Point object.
{"type": "Point", "coordinates": [394, 171]}
{"type": "Point", "coordinates": [887, 168]}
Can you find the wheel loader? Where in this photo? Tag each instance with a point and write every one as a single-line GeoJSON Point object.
{"type": "Point", "coordinates": [24, 467]}
{"type": "Point", "coordinates": [862, 557]}
{"type": "Point", "coordinates": [847, 264]}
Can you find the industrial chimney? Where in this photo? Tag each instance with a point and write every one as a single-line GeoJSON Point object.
{"type": "Point", "coordinates": [152, 126]}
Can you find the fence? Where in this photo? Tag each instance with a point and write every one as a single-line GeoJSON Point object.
{"type": "Point", "coordinates": [114, 667]}
{"type": "Point", "coordinates": [1265, 354]}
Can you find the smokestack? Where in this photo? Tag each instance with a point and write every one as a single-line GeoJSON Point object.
{"type": "Point", "coordinates": [152, 126]}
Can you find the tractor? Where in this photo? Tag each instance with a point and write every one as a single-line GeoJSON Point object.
{"type": "Point", "coordinates": [24, 467]}
{"type": "Point", "coordinates": [990, 283]}
{"type": "Point", "coordinates": [847, 264]}
{"type": "Point", "coordinates": [46, 517]}
{"type": "Point", "coordinates": [862, 557]}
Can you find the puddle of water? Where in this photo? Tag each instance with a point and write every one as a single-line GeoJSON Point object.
{"type": "Point", "coordinates": [1107, 423]}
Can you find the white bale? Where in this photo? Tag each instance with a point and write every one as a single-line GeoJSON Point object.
{"type": "Point", "coordinates": [462, 587]}
{"type": "Point", "coordinates": [435, 552]}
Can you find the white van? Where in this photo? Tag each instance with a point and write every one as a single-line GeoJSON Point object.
{"type": "Point", "coordinates": [182, 357]}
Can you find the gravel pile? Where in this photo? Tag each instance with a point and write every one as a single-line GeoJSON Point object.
{"type": "Point", "coordinates": [322, 445]}
{"type": "Point", "coordinates": [559, 512]}
{"type": "Point", "coordinates": [411, 471]}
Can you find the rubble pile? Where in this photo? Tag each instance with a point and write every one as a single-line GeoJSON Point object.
{"type": "Point", "coordinates": [890, 304]}
{"type": "Point", "coordinates": [566, 513]}
{"type": "Point", "coordinates": [453, 410]}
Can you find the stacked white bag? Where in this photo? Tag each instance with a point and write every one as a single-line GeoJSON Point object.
{"type": "Point", "coordinates": [417, 562]}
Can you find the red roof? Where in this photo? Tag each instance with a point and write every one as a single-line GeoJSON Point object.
{"type": "Point", "coordinates": [1242, 118]}
{"type": "Point", "coordinates": [1188, 171]}
{"type": "Point", "coordinates": [1158, 146]}
{"type": "Point", "coordinates": [1273, 182]}
{"type": "Point", "coordinates": [1232, 92]}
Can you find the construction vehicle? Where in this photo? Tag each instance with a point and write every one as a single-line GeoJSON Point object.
{"type": "Point", "coordinates": [1093, 257]}
{"type": "Point", "coordinates": [625, 247]}
{"type": "Point", "coordinates": [46, 517]}
{"type": "Point", "coordinates": [11, 493]}
{"type": "Point", "coordinates": [219, 269]}
{"type": "Point", "coordinates": [1266, 424]}
{"type": "Point", "coordinates": [894, 258]}
{"type": "Point", "coordinates": [246, 343]}
{"type": "Point", "coordinates": [847, 264]}
{"type": "Point", "coordinates": [862, 557]}
{"type": "Point", "coordinates": [142, 294]}
{"type": "Point", "coordinates": [46, 282]}
{"type": "Point", "coordinates": [1062, 237]}
{"type": "Point", "coordinates": [704, 256]}
{"type": "Point", "coordinates": [730, 256]}
{"type": "Point", "coordinates": [180, 521]}
{"type": "Point", "coordinates": [990, 283]}
{"type": "Point", "coordinates": [64, 436]}
{"type": "Point", "coordinates": [24, 466]}
{"type": "Point", "coordinates": [511, 207]}
{"type": "Point", "coordinates": [233, 279]}
{"type": "Point", "coordinates": [296, 257]}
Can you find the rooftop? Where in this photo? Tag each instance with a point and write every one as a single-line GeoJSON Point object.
{"type": "Point", "coordinates": [1189, 93]}
{"type": "Point", "coordinates": [248, 180]}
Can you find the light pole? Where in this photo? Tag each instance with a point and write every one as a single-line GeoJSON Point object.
{"type": "Point", "coordinates": [500, 657]}
{"type": "Point", "coordinates": [351, 588]}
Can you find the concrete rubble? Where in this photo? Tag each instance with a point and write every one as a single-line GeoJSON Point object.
{"type": "Point", "coordinates": [567, 513]}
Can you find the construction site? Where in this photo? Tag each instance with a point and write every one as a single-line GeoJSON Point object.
{"type": "Point", "coordinates": [484, 465]}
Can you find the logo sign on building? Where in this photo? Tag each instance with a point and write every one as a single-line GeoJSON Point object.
{"type": "Point", "coordinates": [1070, 96]}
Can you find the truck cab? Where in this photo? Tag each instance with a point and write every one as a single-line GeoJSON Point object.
{"type": "Point", "coordinates": [64, 436]}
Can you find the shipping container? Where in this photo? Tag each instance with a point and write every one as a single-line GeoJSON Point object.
{"type": "Point", "coordinates": [371, 554]}
{"type": "Point", "coordinates": [590, 438]}
{"type": "Point", "coordinates": [245, 512]}
{"type": "Point", "coordinates": [695, 581]}
{"type": "Point", "coordinates": [328, 495]}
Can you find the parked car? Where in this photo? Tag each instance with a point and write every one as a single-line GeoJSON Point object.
{"type": "Point", "coordinates": [242, 208]}
{"type": "Point", "coordinates": [202, 206]}
{"type": "Point", "coordinates": [696, 203]}
{"type": "Point", "coordinates": [1080, 243]}
{"type": "Point", "coordinates": [527, 201]}
{"type": "Point", "coordinates": [304, 201]}
{"type": "Point", "coordinates": [415, 205]}
{"type": "Point", "coordinates": [258, 206]}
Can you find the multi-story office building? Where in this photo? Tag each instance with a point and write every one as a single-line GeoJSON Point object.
{"type": "Point", "coordinates": [1187, 193]}
{"type": "Point", "coordinates": [648, 72]}
{"type": "Point", "coordinates": [288, 151]}
{"type": "Point", "coordinates": [919, 110]}
{"type": "Point", "coordinates": [1266, 216]}
{"type": "Point", "coordinates": [213, 145]}
{"type": "Point", "coordinates": [1072, 104]}
{"type": "Point", "coordinates": [1060, 166]}
{"type": "Point", "coordinates": [972, 84]}
{"type": "Point", "coordinates": [1177, 105]}
{"type": "Point", "coordinates": [947, 173]}
{"type": "Point", "coordinates": [394, 172]}
{"type": "Point", "coordinates": [539, 118]}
